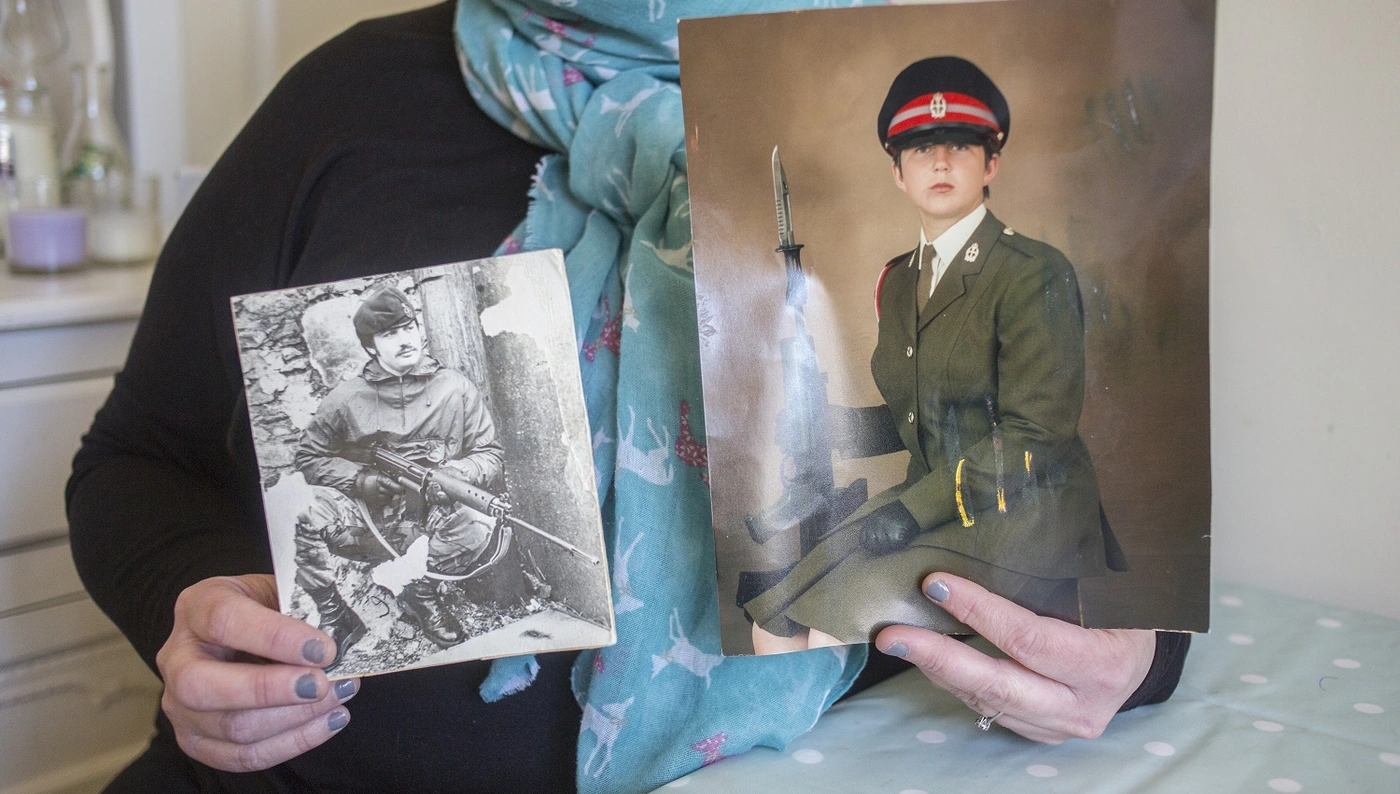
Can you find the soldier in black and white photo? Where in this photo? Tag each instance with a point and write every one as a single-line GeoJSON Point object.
{"type": "Point", "coordinates": [405, 402]}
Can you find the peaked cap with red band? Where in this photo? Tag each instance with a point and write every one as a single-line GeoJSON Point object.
{"type": "Point", "coordinates": [943, 98]}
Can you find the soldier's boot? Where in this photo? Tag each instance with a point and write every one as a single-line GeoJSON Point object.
{"type": "Point", "coordinates": [337, 619]}
{"type": "Point", "coordinates": [421, 605]}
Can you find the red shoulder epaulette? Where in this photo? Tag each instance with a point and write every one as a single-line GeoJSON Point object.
{"type": "Point", "coordinates": [880, 282]}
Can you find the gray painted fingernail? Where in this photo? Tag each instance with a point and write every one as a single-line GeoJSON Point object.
{"type": "Point", "coordinates": [314, 651]}
{"type": "Point", "coordinates": [306, 686]}
{"type": "Point", "coordinates": [938, 591]}
{"type": "Point", "coordinates": [344, 690]}
{"type": "Point", "coordinates": [337, 720]}
{"type": "Point", "coordinates": [898, 649]}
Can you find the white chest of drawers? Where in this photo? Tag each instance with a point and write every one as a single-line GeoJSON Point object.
{"type": "Point", "coordinates": [76, 703]}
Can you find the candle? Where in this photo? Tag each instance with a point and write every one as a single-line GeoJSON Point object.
{"type": "Point", "coordinates": [47, 239]}
{"type": "Point", "coordinates": [122, 236]}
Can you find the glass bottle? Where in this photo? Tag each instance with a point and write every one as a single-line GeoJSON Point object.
{"type": "Point", "coordinates": [97, 176]}
{"type": "Point", "coordinates": [26, 127]}
{"type": "Point", "coordinates": [94, 151]}
{"type": "Point", "coordinates": [31, 34]}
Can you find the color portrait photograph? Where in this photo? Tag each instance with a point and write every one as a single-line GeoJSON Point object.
{"type": "Point", "coordinates": [952, 267]}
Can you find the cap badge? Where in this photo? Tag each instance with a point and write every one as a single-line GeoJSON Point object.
{"type": "Point", "coordinates": [971, 255]}
{"type": "Point", "coordinates": [938, 106]}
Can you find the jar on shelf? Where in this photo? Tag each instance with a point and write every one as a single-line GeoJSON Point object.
{"type": "Point", "coordinates": [41, 237]}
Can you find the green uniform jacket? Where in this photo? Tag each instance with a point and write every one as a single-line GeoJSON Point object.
{"type": "Point", "coordinates": [986, 386]}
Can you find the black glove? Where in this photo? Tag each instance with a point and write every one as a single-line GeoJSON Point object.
{"type": "Point", "coordinates": [374, 488]}
{"type": "Point", "coordinates": [436, 495]}
{"type": "Point", "coordinates": [888, 529]}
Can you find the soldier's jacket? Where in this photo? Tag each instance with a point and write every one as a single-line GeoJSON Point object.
{"type": "Point", "coordinates": [986, 386]}
{"type": "Point", "coordinates": [432, 415]}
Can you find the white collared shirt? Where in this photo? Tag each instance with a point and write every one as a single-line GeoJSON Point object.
{"type": "Point", "coordinates": [948, 244]}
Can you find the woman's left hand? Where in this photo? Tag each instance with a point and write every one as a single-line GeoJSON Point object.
{"type": "Point", "coordinates": [1061, 681]}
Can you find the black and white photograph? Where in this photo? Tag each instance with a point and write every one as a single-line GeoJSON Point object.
{"type": "Point", "coordinates": [426, 466]}
{"type": "Point", "coordinates": [951, 269]}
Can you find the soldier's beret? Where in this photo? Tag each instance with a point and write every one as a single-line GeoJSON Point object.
{"type": "Point", "coordinates": [385, 307]}
{"type": "Point", "coordinates": [943, 99]}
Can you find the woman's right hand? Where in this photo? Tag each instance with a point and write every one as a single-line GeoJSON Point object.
{"type": "Point", "coordinates": [244, 686]}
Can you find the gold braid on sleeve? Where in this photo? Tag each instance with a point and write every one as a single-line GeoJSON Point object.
{"type": "Point", "coordinates": [957, 495]}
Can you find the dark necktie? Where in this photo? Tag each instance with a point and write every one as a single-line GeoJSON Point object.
{"type": "Point", "coordinates": [928, 259]}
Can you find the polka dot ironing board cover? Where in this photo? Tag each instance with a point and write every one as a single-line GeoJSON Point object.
{"type": "Point", "coordinates": [1282, 696]}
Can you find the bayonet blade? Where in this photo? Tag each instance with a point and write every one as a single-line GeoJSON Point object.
{"type": "Point", "coordinates": [780, 198]}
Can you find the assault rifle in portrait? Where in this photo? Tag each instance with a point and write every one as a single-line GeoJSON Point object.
{"type": "Point", "coordinates": [810, 429]}
{"type": "Point", "coordinates": [422, 478]}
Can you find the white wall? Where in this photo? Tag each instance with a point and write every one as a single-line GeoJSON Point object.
{"type": "Point", "coordinates": [243, 48]}
{"type": "Point", "coordinates": [1305, 299]}
{"type": "Point", "coordinates": [1305, 257]}
{"type": "Point", "coordinates": [198, 69]}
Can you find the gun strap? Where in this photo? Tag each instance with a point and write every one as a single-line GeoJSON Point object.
{"type": "Point", "coordinates": [374, 530]}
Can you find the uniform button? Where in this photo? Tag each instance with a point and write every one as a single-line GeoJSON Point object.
{"type": "Point", "coordinates": [909, 352]}
{"type": "Point", "coordinates": [911, 417]}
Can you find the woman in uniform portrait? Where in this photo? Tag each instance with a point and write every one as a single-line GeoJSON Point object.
{"type": "Point", "coordinates": [980, 361]}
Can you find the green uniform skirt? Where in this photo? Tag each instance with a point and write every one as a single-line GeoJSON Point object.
{"type": "Point", "coordinates": [842, 589]}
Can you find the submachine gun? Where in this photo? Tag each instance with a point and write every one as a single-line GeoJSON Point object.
{"type": "Point", "coordinates": [810, 428]}
{"type": "Point", "coordinates": [420, 478]}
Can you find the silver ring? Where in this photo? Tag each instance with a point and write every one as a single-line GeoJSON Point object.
{"type": "Point", "coordinates": [985, 723]}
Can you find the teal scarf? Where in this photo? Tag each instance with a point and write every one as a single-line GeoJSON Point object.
{"type": "Point", "coordinates": [597, 82]}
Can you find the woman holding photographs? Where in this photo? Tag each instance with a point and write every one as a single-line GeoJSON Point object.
{"type": "Point", "coordinates": [372, 156]}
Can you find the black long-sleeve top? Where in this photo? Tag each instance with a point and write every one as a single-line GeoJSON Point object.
{"type": "Point", "coordinates": [368, 157]}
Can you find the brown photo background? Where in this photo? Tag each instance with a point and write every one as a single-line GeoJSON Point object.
{"type": "Point", "coordinates": [1108, 160]}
